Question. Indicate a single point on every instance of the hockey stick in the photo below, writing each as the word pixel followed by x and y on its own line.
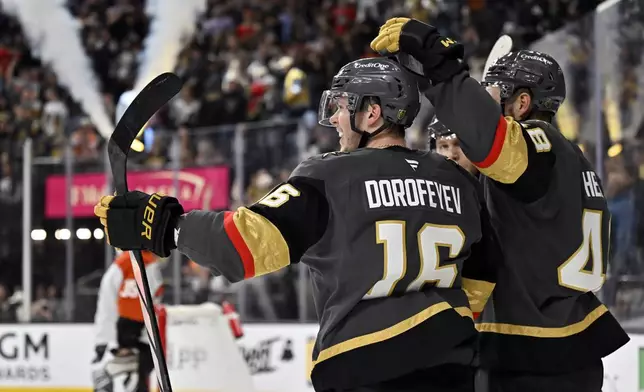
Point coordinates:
pixel 152 98
pixel 501 47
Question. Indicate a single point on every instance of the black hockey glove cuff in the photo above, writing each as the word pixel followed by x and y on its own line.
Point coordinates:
pixel 441 56
pixel 139 220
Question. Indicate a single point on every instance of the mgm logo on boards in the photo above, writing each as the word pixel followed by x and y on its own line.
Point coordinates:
pixel 24 356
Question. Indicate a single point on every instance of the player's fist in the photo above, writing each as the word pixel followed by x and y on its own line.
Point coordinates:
pixel 388 39
pixel 137 221
pixel 441 56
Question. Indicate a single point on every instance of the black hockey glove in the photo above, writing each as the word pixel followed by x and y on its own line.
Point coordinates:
pixel 138 220
pixel 441 56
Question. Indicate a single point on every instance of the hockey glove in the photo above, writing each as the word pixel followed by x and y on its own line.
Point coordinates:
pixel 441 57
pixel 137 221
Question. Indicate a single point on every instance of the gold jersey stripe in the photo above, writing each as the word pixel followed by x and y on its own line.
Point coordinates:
pixel 478 292
pixel 544 332
pixel 388 333
pixel 464 311
pixel 513 158
pixel 263 239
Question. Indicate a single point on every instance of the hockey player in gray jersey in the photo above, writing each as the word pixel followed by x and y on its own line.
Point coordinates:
pixel 397 241
pixel 545 329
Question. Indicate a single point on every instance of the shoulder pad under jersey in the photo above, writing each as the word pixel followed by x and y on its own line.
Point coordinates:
pixel 531 124
pixel 322 166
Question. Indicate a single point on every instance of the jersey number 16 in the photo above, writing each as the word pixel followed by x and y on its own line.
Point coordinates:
pixel 391 234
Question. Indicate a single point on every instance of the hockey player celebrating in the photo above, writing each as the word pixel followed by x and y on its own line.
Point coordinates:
pixel 444 142
pixel 123 361
pixel 546 330
pixel 392 237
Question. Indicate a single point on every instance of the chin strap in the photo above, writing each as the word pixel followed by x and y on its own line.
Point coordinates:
pixel 364 135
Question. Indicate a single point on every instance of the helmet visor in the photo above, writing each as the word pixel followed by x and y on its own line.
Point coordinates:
pixel 333 102
pixel 438 129
pixel 506 88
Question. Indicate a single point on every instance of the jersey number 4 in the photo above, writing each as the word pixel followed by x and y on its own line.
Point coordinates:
pixel 572 273
pixel 391 234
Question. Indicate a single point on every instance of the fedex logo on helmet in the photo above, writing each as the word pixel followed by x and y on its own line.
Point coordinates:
pixel 536 58
pixel 381 66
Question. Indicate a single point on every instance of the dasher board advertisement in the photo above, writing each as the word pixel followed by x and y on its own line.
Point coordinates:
pixel 56 357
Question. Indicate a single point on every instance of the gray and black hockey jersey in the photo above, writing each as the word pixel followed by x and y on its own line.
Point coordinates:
pixel 399 248
pixel 548 208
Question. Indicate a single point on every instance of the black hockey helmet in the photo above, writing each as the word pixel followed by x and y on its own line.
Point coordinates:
pixel 381 78
pixel 437 129
pixel 536 71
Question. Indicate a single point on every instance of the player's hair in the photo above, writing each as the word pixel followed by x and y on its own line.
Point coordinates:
pixel 394 129
pixel 535 114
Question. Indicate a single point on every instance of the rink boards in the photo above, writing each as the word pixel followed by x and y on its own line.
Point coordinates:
pixel 56 357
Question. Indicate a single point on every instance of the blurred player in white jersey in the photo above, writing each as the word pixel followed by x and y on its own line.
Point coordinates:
pixel 122 361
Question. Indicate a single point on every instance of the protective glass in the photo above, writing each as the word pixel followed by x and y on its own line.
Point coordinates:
pixel 334 101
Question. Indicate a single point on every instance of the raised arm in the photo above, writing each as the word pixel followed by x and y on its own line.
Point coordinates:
pixel 498 145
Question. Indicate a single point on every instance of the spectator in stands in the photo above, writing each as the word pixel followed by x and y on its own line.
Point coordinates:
pixel 157 158
pixel 7 308
pixel 54 303
pixel 86 142
pixel 261 182
pixel 198 279
pixel 181 148
pixel 6 132
pixel 39 308
pixel 185 107
pixel 54 113
pixel 638 159
pixel 235 103
pixel 47 306
pixel 6 179
pixel 10 187
pixel 207 154
pixel 620 194
pixel 297 95
pixel 53 121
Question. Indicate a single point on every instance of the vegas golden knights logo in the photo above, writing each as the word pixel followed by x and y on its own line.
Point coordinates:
pixel 148 216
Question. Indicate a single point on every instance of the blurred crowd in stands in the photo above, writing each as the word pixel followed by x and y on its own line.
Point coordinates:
pixel 259 67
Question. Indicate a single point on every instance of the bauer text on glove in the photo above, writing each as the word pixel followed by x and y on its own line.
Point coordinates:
pixel 138 220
